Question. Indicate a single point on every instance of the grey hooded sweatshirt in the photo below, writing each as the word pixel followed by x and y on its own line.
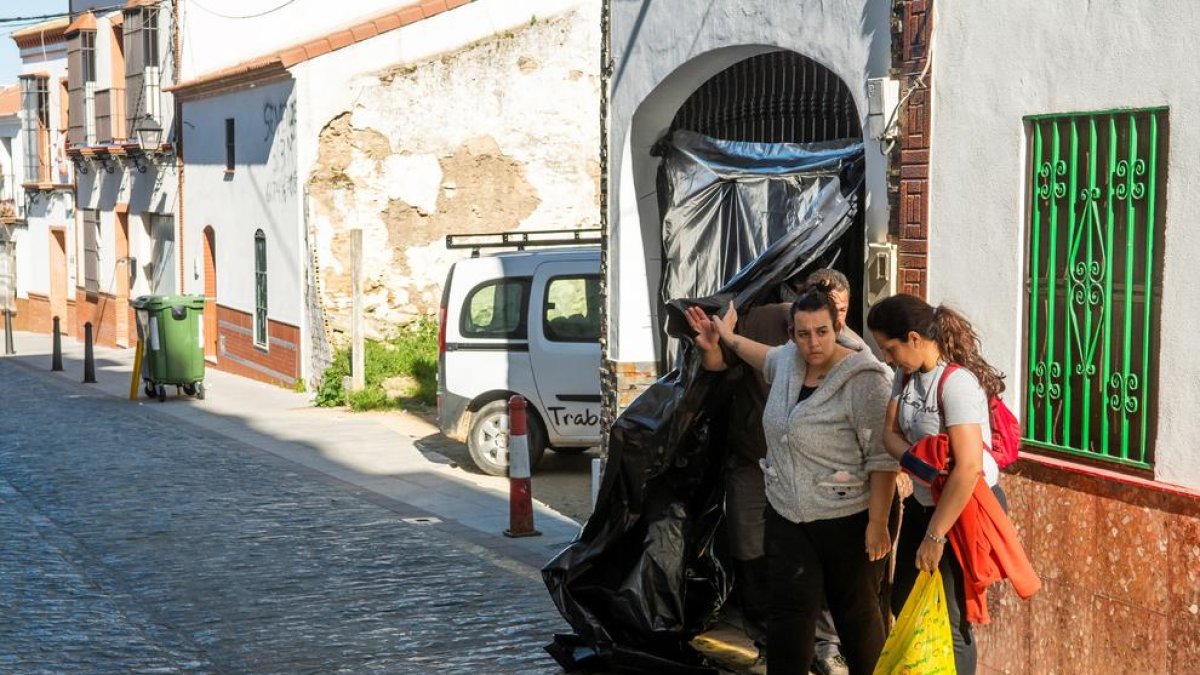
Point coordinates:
pixel 821 451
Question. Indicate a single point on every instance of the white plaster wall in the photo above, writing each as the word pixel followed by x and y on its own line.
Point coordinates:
pixel 261 193
pixel 220 33
pixel 155 191
pixel 546 120
pixel 1078 55
pixel 663 50
pixel 51 208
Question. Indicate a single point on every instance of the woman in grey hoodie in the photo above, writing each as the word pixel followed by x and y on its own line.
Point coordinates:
pixel 829 480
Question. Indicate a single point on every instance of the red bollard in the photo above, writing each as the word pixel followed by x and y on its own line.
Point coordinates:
pixel 520 489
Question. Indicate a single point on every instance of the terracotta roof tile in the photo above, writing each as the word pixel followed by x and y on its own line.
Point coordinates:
pixel 406 14
pixel 85 21
pixel 364 31
pixel 10 100
pixel 389 22
pixel 410 15
pixel 48 29
pixel 293 56
pixel 340 39
pixel 317 48
pixel 431 7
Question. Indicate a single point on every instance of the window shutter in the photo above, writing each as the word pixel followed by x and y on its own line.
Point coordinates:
pixel 76 128
pixel 91 251
pixel 135 65
pixel 29 123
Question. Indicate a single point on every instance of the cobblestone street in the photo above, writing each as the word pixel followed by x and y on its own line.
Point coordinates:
pixel 137 542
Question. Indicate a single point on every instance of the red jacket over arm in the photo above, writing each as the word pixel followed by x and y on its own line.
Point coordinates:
pixel 983 538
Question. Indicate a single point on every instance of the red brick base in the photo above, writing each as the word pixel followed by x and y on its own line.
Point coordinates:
pixel 34 315
pixel 278 364
pixel 101 310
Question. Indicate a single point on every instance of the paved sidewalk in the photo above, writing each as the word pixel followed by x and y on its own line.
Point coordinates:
pixel 138 542
pixel 370 453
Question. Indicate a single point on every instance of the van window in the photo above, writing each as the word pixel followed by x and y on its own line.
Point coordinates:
pixel 573 309
pixel 496 309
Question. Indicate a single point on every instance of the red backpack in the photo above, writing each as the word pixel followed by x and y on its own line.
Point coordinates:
pixel 1006 430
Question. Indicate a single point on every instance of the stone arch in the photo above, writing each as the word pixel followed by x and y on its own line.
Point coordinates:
pixel 674 103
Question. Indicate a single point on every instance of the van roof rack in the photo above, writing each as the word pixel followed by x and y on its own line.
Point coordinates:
pixel 524 239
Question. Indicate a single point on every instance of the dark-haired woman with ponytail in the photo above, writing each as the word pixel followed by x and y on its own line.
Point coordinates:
pixel 921 341
pixel 829 480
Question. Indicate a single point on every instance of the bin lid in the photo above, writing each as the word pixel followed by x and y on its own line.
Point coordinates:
pixel 155 302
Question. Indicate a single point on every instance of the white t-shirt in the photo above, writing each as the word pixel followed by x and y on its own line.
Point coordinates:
pixel 965 403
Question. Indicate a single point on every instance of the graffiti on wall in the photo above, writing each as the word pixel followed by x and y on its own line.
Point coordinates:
pixel 279 127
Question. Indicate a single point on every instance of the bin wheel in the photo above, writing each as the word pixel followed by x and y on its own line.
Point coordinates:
pixel 162 393
pixel 149 389
pixel 189 389
pixel 200 390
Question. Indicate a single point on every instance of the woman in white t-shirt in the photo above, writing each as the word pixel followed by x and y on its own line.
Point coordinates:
pixel 920 341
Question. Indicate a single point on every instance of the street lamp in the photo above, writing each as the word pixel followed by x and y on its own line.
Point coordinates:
pixel 149 133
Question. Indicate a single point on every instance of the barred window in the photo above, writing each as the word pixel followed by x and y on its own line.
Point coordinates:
pixel 260 289
pixel 1097 198
pixel 87 47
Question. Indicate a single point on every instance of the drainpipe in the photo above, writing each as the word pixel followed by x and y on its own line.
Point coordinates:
pixel 608 377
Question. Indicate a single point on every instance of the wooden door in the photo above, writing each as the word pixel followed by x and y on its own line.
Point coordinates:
pixel 121 285
pixel 58 278
pixel 210 292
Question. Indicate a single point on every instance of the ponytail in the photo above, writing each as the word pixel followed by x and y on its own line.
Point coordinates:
pixel 959 343
pixel 956 339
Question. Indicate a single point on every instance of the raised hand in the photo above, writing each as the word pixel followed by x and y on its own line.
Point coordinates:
pixel 708 335
pixel 726 324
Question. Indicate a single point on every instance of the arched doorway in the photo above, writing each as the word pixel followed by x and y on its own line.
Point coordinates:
pixel 210 293
pixel 776 97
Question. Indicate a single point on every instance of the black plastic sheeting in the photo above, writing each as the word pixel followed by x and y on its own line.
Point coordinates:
pixel 647 573
pixel 727 201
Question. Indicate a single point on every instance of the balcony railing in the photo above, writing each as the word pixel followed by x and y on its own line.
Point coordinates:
pixel 110 116
pixel 12 199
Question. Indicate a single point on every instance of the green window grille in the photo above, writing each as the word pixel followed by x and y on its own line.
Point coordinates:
pixel 260 289
pixel 1094 282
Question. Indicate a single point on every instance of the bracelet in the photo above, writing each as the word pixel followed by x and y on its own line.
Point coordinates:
pixel 934 538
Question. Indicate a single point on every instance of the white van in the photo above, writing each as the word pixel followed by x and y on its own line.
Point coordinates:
pixel 523 323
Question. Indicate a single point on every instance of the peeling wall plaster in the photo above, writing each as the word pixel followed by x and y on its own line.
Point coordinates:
pixel 501 135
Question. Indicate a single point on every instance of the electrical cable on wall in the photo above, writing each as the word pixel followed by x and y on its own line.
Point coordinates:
pixel 276 8
pixel 887 140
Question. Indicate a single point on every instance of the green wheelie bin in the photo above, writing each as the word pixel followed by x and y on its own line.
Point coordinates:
pixel 170 329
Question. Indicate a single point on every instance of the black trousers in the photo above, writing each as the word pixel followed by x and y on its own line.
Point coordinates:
pixel 745 520
pixel 802 560
pixel 912 533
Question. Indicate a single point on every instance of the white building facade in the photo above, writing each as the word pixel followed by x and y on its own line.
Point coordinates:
pixel 41 176
pixel 1059 220
pixel 413 123
pixel 121 140
pixel 663 54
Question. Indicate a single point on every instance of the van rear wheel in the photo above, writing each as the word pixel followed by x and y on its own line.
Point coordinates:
pixel 488 440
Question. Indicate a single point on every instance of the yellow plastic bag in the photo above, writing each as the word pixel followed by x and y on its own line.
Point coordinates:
pixel 920 642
